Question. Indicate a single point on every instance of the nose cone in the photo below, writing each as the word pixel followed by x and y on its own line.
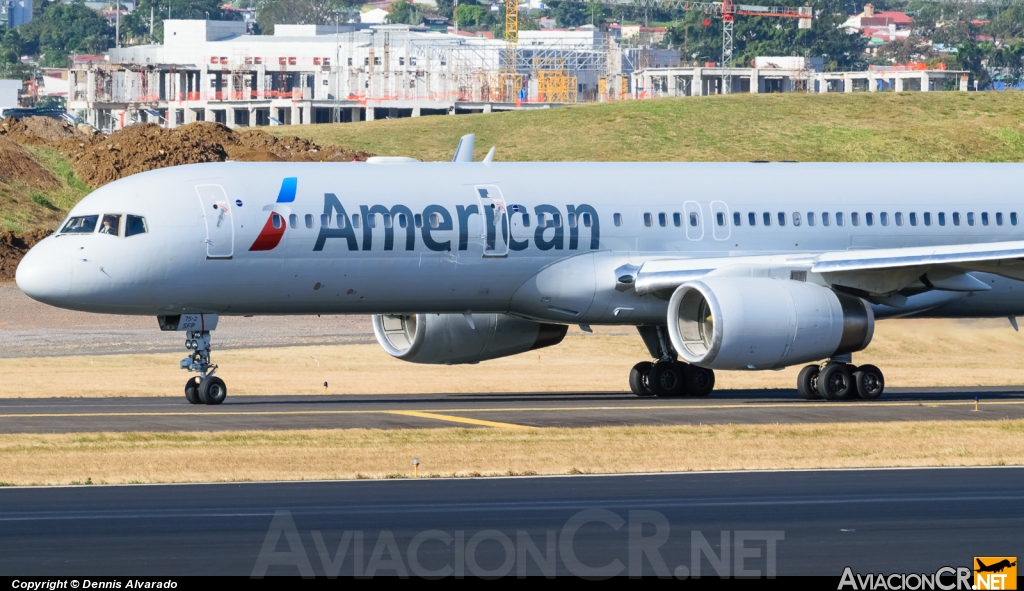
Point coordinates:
pixel 45 273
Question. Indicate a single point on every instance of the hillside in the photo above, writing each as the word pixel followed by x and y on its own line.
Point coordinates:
pixel 937 126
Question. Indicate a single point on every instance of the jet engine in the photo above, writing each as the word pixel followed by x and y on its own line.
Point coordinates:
pixel 761 323
pixel 461 338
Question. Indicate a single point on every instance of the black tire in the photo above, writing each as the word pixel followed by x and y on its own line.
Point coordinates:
pixel 698 381
pixel 807 382
pixel 665 379
pixel 192 391
pixel 638 379
pixel 869 382
pixel 212 390
pixel 835 382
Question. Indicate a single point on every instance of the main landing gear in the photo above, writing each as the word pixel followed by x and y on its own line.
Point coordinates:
pixel 838 379
pixel 205 388
pixel 667 377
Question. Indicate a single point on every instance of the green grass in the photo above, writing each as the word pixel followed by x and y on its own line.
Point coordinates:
pixel 896 127
pixel 24 208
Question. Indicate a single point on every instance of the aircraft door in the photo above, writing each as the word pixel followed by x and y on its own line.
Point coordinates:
pixel 694 220
pixel 220 227
pixel 495 219
pixel 720 223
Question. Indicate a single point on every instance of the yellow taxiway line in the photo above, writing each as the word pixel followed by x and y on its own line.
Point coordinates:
pixel 431 415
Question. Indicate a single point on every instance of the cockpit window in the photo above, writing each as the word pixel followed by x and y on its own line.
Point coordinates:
pixel 111 224
pixel 135 224
pixel 82 224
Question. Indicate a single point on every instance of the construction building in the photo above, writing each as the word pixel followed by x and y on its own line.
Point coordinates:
pixel 214 71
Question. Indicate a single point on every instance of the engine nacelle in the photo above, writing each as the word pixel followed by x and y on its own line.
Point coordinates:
pixel 457 338
pixel 760 323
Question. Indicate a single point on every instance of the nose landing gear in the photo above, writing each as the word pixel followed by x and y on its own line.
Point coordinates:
pixel 205 388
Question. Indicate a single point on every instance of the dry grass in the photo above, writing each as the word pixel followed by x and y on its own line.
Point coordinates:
pixel 871 127
pixel 361 453
pixel 911 352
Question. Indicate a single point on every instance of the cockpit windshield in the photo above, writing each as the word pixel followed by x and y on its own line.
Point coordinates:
pixel 111 224
pixel 135 224
pixel 83 224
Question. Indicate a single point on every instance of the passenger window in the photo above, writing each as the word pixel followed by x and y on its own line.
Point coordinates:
pixel 752 219
pixel 839 218
pixel 526 220
pixel 435 220
pixel 694 220
pixel 970 218
pixel 341 221
pixel 403 220
pixel 556 217
pixel 782 219
pixel 1013 218
pixel 572 220
pixel 736 219
pixel 999 218
pixel 309 220
pixel 662 220
pixel 927 218
pixel 767 218
pixel 883 218
pixel 855 218
pixel 371 220
pixel 542 219
pixel 899 218
pixel 293 220
pixel 617 219
pixel 325 220
pixel 418 220
pixel 387 220
pixel 82 224
pixel 956 218
pixel 355 220
pixel 824 218
pixel 984 218
pixel 796 218
pixel 810 218
pixel 135 224
pixel 648 220
pixel 942 218
pixel 913 219
pixel 111 225
pixel 278 222
pixel 869 219
pixel 677 219
pixel 586 220
pixel 720 218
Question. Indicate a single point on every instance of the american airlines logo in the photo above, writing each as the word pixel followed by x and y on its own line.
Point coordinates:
pixel 513 226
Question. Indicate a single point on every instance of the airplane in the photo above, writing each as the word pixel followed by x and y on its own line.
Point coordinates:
pixel 994 568
pixel 719 266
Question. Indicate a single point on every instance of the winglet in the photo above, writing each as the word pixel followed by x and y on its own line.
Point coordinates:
pixel 464 153
pixel 489 157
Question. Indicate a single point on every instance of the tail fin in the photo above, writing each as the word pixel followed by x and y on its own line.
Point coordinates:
pixel 464 153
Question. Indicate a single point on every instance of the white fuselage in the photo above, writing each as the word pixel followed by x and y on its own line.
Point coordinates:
pixel 211 245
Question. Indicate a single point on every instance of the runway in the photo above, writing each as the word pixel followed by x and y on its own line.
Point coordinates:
pixel 496 410
pixel 813 523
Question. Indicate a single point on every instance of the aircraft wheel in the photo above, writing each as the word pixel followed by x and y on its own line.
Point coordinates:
pixel 869 382
pixel 835 382
pixel 807 382
pixel 638 379
pixel 212 390
pixel 666 379
pixel 192 391
pixel 698 381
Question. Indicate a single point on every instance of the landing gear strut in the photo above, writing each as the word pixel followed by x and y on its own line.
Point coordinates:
pixel 838 379
pixel 667 377
pixel 205 388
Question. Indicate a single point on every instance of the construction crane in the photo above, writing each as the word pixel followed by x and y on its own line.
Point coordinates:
pixel 509 75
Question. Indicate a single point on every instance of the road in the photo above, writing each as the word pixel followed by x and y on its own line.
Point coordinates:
pixel 915 520
pixel 64 415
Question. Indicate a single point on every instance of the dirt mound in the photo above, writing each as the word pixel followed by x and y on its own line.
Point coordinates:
pixel 41 130
pixel 147 146
pixel 12 248
pixel 142 147
pixel 17 165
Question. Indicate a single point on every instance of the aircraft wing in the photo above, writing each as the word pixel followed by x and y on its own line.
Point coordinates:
pixel 876 271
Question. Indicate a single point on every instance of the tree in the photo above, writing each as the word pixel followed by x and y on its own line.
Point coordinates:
pixel 472 16
pixel 446 8
pixel 300 12
pixel 569 14
pixel 404 13
pixel 66 28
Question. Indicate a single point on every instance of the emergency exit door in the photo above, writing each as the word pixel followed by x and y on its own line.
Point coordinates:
pixel 220 227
